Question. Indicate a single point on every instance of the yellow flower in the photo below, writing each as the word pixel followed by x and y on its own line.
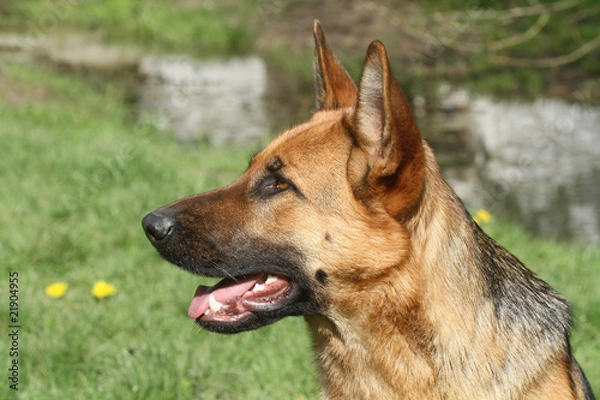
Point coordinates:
pixel 482 217
pixel 102 289
pixel 56 290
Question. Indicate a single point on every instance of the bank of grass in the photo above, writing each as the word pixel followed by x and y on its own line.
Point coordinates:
pixel 76 180
pixel 204 28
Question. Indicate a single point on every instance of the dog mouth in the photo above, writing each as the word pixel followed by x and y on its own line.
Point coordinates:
pixel 236 299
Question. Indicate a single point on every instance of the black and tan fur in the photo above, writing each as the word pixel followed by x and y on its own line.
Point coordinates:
pixel 404 295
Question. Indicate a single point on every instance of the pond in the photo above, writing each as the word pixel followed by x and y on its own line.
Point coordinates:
pixel 217 101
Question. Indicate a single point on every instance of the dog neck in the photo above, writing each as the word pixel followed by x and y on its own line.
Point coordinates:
pixel 383 348
pixel 413 336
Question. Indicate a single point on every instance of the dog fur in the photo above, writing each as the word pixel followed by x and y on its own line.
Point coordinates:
pixel 404 295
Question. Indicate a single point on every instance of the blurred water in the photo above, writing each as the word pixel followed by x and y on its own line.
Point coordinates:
pixel 537 162
pixel 221 101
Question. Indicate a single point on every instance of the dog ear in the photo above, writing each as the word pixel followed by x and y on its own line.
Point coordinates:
pixel 385 131
pixel 333 85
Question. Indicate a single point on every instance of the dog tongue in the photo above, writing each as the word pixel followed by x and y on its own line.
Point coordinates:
pixel 223 293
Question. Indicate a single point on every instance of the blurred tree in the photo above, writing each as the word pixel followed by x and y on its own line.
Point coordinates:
pixel 530 33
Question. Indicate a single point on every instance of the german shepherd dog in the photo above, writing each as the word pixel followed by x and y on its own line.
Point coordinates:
pixel 346 220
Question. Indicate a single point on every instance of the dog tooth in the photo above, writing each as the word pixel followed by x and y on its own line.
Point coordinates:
pixel 270 279
pixel 214 304
pixel 258 286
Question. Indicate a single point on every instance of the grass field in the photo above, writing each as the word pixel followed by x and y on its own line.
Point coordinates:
pixel 199 27
pixel 76 181
pixel 77 177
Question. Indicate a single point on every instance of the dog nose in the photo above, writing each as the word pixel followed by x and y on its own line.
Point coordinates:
pixel 158 226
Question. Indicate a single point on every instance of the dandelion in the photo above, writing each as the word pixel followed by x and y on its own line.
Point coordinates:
pixel 102 289
pixel 56 290
pixel 482 217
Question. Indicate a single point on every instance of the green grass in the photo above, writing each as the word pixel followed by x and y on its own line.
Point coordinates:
pixel 198 27
pixel 76 180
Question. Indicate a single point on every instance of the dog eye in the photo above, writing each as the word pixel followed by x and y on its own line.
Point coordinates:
pixel 274 185
pixel 281 186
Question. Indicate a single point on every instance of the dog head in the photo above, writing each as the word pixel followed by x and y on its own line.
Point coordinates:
pixel 319 214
